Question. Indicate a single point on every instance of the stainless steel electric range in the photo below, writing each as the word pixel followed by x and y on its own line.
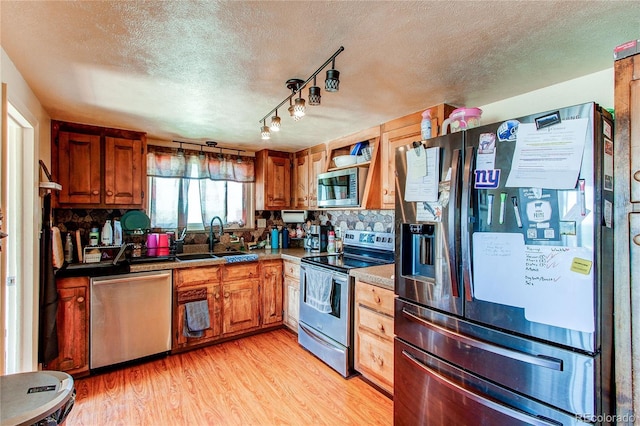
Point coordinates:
pixel 325 326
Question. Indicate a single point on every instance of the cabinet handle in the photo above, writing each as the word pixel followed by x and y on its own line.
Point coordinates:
pixel 381 327
pixel 636 239
pixel 377 299
pixel 636 176
pixel 226 295
pixel 217 296
pixel 109 193
pixel 385 191
pixel 95 192
pixel 80 299
pixel 291 270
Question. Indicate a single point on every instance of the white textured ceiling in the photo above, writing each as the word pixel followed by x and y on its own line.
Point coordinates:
pixel 210 70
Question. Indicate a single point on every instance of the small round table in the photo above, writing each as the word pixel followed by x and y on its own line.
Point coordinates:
pixel 39 397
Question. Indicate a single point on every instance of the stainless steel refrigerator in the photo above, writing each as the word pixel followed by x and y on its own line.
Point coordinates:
pixel 504 278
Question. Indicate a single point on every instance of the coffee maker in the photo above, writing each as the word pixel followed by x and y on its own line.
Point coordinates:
pixel 317 238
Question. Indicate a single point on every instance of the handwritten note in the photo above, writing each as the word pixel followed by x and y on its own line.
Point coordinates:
pixel 544 280
pixel 556 294
pixel 498 264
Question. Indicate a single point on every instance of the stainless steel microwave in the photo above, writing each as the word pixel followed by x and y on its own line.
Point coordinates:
pixel 342 188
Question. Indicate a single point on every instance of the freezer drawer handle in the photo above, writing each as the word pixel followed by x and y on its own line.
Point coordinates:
pixel 475 397
pixel 546 362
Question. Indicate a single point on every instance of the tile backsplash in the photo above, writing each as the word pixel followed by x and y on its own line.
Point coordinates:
pixel 368 220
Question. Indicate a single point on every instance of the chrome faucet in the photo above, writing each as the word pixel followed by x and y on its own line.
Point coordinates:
pixel 211 239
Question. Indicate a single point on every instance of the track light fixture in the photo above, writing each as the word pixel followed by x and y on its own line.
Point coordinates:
pixel 265 131
pixel 298 110
pixel 275 123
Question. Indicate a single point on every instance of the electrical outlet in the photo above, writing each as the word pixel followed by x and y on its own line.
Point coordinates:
pixel 262 223
pixel 11 281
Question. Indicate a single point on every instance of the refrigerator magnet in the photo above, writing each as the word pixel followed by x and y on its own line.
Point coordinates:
pixel 487 179
pixel 567 228
pixel 508 131
pixel 548 120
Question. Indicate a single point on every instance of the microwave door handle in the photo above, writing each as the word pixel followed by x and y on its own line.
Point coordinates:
pixel 451 228
pixel 464 224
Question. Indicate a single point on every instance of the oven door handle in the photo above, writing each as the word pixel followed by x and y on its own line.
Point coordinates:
pixel 318 340
pixel 476 397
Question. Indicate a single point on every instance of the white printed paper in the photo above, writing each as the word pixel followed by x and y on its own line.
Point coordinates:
pixel 549 157
pixel 423 174
pixel 428 212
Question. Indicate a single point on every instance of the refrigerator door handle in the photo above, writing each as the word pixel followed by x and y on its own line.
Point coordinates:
pixel 451 231
pixel 464 224
pixel 514 414
pixel 546 362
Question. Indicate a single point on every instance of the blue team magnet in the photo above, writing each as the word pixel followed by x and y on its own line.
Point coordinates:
pixel 487 179
pixel 508 130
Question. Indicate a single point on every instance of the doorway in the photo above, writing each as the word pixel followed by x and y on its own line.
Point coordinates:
pixel 19 248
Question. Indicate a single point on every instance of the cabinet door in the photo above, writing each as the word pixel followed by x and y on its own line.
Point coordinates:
pixel 301 179
pixel 272 293
pixel 124 171
pixel 72 322
pixel 278 182
pixel 240 311
pixel 78 168
pixel 212 293
pixel 292 300
pixel 390 141
pixel 317 163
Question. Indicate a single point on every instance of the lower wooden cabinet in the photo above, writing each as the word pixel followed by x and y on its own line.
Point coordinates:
pixel 191 285
pixel 291 294
pixel 73 327
pixel 240 306
pixel 374 334
pixel 271 290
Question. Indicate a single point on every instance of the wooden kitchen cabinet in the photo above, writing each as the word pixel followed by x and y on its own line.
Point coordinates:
pixel 271 292
pixel 374 312
pixel 370 197
pixel 73 327
pixel 273 180
pixel 98 167
pixel 190 285
pixel 398 132
pixel 291 294
pixel 308 164
pixel 240 298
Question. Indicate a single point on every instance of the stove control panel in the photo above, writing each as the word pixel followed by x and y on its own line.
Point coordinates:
pixel 370 239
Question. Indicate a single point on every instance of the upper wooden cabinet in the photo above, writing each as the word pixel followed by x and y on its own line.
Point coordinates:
pixel 98 167
pixel 273 180
pixel 399 132
pixel 308 164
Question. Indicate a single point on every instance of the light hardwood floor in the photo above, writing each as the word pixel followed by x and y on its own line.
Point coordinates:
pixel 266 379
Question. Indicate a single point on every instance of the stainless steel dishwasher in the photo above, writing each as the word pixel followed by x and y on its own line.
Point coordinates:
pixel 130 317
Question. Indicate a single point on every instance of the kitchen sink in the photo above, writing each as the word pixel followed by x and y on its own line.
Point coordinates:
pixel 195 256
pixel 229 253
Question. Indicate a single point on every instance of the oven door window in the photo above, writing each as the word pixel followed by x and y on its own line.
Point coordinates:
pixel 336 290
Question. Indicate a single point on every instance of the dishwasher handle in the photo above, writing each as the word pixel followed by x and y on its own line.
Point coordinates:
pixel 127 278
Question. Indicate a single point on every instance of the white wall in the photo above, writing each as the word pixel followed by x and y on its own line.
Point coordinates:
pixel 20 96
pixel 596 87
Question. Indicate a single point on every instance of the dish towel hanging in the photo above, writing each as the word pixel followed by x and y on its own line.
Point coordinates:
pixel 319 285
pixel 196 318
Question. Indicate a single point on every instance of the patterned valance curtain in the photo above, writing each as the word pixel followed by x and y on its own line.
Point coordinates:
pixel 192 166
pixel 168 162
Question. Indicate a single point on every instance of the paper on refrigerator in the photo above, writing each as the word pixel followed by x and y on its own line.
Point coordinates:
pixel 423 174
pixel 550 157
